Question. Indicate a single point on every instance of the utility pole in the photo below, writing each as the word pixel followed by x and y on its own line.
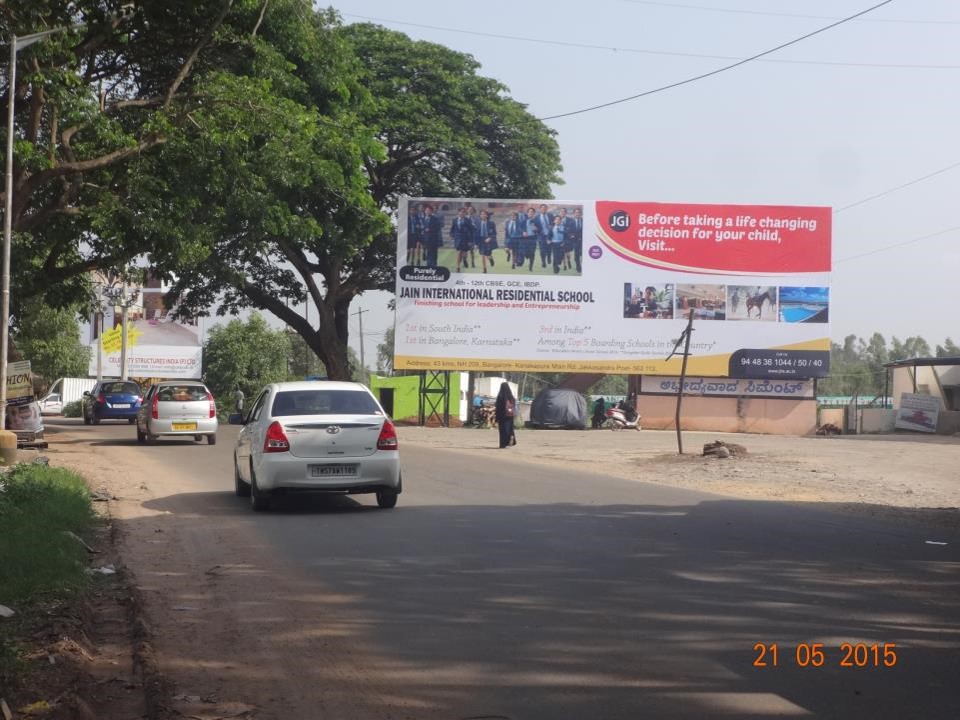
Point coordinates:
pixel 359 314
pixel 123 328
pixel 685 339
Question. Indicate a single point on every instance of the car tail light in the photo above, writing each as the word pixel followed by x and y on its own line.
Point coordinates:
pixel 276 439
pixel 213 405
pixel 101 399
pixel 155 407
pixel 388 436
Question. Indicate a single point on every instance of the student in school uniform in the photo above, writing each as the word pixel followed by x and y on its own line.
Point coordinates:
pixel 513 239
pixel 431 235
pixel 566 223
pixel 544 220
pixel 531 237
pixel 414 237
pixel 556 243
pixel 462 234
pixel 472 217
pixel 575 233
pixel 486 238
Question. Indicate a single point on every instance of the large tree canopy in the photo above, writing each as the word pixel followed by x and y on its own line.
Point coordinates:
pixel 94 104
pixel 252 149
pixel 294 209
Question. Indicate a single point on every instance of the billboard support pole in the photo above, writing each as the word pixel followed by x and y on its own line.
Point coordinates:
pixel 685 339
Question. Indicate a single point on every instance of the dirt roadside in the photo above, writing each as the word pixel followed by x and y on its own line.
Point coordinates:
pixel 907 477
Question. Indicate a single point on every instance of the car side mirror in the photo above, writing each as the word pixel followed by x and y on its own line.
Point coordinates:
pixel 235 419
pixel 86 393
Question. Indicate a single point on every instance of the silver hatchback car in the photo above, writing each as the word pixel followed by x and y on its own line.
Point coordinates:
pixel 318 436
pixel 181 408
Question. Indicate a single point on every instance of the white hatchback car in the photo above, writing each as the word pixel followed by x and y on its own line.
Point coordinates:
pixel 316 435
pixel 177 408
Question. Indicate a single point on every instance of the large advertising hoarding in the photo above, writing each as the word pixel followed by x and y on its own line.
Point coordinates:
pixel 607 286
pixel 158 345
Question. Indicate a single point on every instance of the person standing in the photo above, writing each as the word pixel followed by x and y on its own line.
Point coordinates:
pixel 599 413
pixel 531 237
pixel 414 237
pixel 576 237
pixel 504 412
pixel 544 220
pixel 461 231
pixel 472 217
pixel 556 242
pixel 431 236
pixel 513 238
pixel 486 238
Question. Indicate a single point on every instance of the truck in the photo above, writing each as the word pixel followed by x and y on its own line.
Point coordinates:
pixel 63 392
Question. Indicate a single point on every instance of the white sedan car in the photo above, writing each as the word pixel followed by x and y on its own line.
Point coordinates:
pixel 316 435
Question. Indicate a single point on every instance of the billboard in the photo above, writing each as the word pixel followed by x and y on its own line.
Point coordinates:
pixel 607 286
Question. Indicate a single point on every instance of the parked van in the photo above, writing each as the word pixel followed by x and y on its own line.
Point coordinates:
pixel 63 392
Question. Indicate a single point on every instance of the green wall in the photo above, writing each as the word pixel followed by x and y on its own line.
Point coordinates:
pixel 406 394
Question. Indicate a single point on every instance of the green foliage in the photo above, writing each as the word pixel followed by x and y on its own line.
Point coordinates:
pixel 37 558
pixel 609 385
pixel 244 356
pixel 303 361
pixel 948 349
pixel 856 366
pixel 385 352
pixel 50 339
pixel 73 409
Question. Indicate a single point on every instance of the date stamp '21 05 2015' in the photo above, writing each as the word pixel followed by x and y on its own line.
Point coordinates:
pixel 848 655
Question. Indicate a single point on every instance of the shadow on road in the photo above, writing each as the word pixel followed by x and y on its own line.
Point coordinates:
pixel 586 611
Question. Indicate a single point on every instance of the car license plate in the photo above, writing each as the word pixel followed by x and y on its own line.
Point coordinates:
pixel 121 405
pixel 333 470
pixel 183 426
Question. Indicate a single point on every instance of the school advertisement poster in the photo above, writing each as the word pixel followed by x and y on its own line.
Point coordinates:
pixel 608 286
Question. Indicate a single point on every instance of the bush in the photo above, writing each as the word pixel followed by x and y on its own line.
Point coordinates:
pixel 38 504
pixel 73 409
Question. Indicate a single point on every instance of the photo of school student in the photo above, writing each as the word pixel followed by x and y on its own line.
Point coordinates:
pixel 502 237
pixel 752 302
pixel 653 302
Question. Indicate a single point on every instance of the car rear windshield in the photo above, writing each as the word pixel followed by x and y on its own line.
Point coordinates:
pixel 324 402
pixel 120 388
pixel 182 393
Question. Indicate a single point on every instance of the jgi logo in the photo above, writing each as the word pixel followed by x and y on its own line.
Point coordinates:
pixel 619 221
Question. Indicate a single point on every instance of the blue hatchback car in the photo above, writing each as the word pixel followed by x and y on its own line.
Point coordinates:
pixel 112 400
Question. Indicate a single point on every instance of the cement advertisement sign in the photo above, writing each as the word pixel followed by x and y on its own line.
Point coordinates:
pixel 728 387
pixel 607 286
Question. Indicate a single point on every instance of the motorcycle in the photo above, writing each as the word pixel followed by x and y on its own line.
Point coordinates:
pixel 617 420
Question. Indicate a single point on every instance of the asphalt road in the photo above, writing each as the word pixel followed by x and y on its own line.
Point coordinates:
pixel 514 590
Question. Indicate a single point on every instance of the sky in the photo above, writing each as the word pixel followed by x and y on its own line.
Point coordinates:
pixel 833 120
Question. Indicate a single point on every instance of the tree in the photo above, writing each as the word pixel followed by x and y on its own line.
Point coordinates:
pixel 385 352
pixel 92 108
pixel 948 349
pixel 244 356
pixel 379 116
pixel 50 339
pixel 303 362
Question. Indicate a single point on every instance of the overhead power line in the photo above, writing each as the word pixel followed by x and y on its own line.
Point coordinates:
pixel 641 51
pixel 717 71
pixel 897 245
pixel 678 6
pixel 898 187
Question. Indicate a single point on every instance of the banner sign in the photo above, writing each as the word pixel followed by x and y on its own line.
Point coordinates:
pixel 607 286
pixel 170 362
pixel 19 383
pixel 918 412
pixel 728 387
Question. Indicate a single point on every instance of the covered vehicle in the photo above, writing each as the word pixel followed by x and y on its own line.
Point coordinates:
pixel 327 436
pixel 558 408
pixel 112 400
